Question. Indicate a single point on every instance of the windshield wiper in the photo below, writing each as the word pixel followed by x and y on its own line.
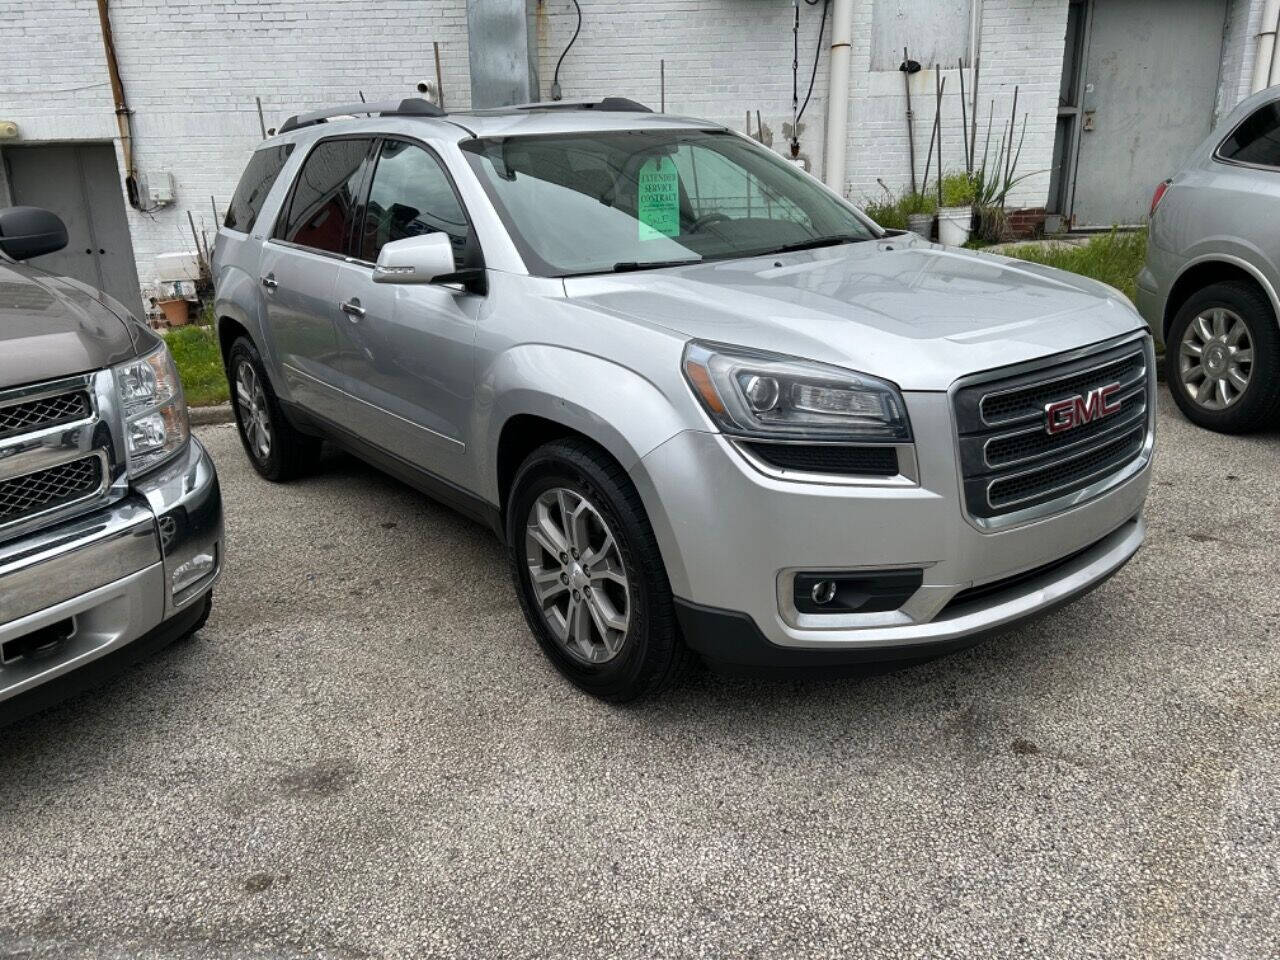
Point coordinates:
pixel 626 266
pixel 814 242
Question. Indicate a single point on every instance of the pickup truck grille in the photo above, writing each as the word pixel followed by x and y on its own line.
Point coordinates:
pixel 43 490
pixel 38 414
pixel 1010 461
pixel 57 452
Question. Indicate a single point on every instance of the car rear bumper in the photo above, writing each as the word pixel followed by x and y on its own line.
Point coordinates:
pixel 75 596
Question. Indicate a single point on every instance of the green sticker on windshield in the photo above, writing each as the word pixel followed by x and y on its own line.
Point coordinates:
pixel 658 202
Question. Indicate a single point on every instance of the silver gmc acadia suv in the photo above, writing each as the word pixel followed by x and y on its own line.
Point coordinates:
pixel 708 405
pixel 110 513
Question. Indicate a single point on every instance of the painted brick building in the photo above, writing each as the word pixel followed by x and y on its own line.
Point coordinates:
pixel 192 70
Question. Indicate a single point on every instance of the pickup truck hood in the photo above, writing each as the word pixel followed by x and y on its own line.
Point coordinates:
pixel 54 327
pixel 918 314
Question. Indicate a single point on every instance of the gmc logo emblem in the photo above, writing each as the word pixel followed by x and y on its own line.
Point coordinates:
pixel 1064 415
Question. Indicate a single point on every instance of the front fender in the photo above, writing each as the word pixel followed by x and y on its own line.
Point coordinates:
pixel 627 414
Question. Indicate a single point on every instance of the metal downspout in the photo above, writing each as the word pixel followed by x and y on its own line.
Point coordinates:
pixel 838 95
pixel 1266 65
pixel 123 113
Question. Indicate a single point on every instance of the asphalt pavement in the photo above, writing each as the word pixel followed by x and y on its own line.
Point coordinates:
pixel 363 754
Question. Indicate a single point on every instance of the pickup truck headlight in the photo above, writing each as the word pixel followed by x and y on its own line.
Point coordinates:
pixel 153 409
pixel 755 394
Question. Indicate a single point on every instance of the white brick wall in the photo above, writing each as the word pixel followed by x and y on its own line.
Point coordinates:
pixel 727 56
pixel 1239 52
pixel 192 69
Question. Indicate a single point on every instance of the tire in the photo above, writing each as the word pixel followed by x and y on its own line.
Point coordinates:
pixel 1214 326
pixel 648 654
pixel 287 453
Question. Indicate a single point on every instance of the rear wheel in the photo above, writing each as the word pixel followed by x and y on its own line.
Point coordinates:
pixel 589 574
pixel 277 450
pixel 1222 359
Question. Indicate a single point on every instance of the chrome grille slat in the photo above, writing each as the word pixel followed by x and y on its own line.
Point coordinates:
pixel 40 413
pixel 1010 463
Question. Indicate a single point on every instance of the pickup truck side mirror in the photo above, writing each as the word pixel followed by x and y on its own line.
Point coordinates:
pixel 425 259
pixel 27 232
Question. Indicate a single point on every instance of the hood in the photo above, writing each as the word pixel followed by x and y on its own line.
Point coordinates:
pixel 54 327
pixel 918 314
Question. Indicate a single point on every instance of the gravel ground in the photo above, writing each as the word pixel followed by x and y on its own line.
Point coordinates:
pixel 364 755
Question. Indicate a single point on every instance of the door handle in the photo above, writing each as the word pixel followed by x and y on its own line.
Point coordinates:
pixel 269 281
pixel 352 309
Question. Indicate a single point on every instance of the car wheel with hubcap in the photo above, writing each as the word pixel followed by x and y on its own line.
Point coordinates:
pixel 1222 358
pixel 276 450
pixel 589 574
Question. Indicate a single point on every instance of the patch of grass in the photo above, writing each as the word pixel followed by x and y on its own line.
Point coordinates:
pixel 1113 258
pixel 195 350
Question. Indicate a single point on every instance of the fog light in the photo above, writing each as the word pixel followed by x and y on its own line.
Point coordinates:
pixel 193 571
pixel 830 592
pixel 823 592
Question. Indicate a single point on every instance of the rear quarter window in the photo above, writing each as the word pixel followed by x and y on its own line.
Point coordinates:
pixel 255 183
pixel 1257 139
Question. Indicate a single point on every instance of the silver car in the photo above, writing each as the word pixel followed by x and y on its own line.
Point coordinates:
pixel 1213 269
pixel 709 406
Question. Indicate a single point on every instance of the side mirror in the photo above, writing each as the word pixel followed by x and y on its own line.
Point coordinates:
pixel 425 259
pixel 27 232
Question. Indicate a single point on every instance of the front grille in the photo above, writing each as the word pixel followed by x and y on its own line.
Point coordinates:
pixel 870 461
pixel 31 415
pixel 1009 460
pixel 34 493
pixel 1001 406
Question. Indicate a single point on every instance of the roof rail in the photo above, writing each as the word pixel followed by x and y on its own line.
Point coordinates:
pixel 610 104
pixel 409 107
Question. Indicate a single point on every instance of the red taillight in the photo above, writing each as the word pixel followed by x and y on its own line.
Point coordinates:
pixel 1158 196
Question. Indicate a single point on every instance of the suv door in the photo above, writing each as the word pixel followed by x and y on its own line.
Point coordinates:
pixel 407 350
pixel 299 271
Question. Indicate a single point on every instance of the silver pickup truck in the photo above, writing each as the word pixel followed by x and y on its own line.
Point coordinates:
pixel 110 512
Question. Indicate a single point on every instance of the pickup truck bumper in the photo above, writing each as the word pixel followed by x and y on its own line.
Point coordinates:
pixel 89 595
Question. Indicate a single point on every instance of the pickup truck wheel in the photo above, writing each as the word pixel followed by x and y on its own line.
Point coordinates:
pixel 1222 359
pixel 275 448
pixel 589 574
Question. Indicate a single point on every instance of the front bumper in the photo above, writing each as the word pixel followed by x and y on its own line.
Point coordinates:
pixel 109 580
pixel 732 537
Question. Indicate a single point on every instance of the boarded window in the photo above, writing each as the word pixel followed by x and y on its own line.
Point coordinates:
pixel 934 31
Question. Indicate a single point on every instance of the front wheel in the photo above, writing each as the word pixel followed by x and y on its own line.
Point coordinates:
pixel 589 574
pixel 1222 359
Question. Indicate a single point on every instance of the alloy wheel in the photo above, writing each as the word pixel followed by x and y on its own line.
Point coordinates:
pixel 1215 358
pixel 578 578
pixel 255 421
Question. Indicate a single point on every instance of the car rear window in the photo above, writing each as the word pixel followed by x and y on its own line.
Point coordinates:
pixel 256 182
pixel 1257 139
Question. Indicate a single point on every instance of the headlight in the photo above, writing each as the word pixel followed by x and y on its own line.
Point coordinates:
pixel 756 394
pixel 153 409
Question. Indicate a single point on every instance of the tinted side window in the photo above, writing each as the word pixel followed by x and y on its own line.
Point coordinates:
pixel 255 183
pixel 1257 140
pixel 325 196
pixel 410 196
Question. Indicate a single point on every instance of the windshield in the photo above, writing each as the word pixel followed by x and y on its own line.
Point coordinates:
pixel 627 200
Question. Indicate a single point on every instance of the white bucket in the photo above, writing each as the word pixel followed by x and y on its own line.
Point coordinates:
pixel 954 225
